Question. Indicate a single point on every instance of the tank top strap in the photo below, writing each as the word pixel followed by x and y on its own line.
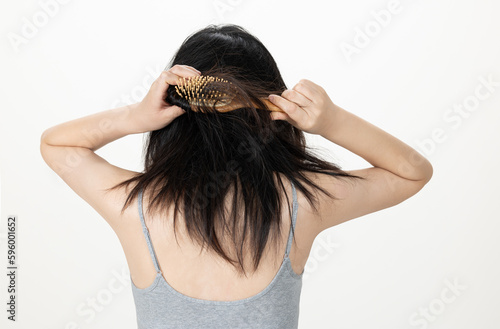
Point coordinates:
pixel 146 234
pixel 294 218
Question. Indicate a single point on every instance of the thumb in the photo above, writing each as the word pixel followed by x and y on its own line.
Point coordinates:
pixel 279 116
pixel 173 112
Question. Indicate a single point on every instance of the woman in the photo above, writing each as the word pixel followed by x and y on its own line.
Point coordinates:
pixel 202 227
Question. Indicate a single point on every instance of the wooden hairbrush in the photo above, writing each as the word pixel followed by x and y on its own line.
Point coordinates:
pixel 214 92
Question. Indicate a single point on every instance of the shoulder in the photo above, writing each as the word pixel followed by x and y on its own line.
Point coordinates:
pixel 91 177
pixel 110 203
pixel 374 190
pixel 324 208
pixel 310 213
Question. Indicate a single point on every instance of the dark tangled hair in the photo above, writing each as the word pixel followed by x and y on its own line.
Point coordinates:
pixel 195 161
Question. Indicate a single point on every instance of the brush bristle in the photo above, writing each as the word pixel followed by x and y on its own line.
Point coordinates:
pixel 205 91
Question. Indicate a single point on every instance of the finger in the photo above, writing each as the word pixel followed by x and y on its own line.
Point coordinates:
pixel 296 97
pixel 176 110
pixel 191 68
pixel 174 75
pixel 279 116
pixel 184 70
pixel 294 112
pixel 308 88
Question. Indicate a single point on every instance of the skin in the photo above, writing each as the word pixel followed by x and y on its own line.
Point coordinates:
pixel 69 148
pixel 398 172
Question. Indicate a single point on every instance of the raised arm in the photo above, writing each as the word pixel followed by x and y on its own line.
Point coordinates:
pixel 398 170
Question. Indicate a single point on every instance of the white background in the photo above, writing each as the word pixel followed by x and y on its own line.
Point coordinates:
pixel 383 270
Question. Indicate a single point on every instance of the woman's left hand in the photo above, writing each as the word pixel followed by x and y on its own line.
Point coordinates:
pixel 153 113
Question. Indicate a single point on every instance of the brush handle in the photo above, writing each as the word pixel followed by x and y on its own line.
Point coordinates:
pixel 271 106
pixel 233 106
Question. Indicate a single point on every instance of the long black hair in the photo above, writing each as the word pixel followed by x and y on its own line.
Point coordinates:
pixel 199 158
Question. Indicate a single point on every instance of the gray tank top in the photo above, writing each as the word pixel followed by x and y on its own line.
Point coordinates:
pixel 160 306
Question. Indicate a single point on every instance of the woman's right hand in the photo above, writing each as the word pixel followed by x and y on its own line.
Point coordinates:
pixel 305 106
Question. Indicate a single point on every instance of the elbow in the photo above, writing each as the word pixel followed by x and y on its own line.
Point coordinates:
pixel 43 137
pixel 43 150
pixel 42 141
pixel 428 171
pixel 431 172
pixel 44 144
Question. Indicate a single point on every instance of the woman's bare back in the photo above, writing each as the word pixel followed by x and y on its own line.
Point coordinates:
pixel 204 275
